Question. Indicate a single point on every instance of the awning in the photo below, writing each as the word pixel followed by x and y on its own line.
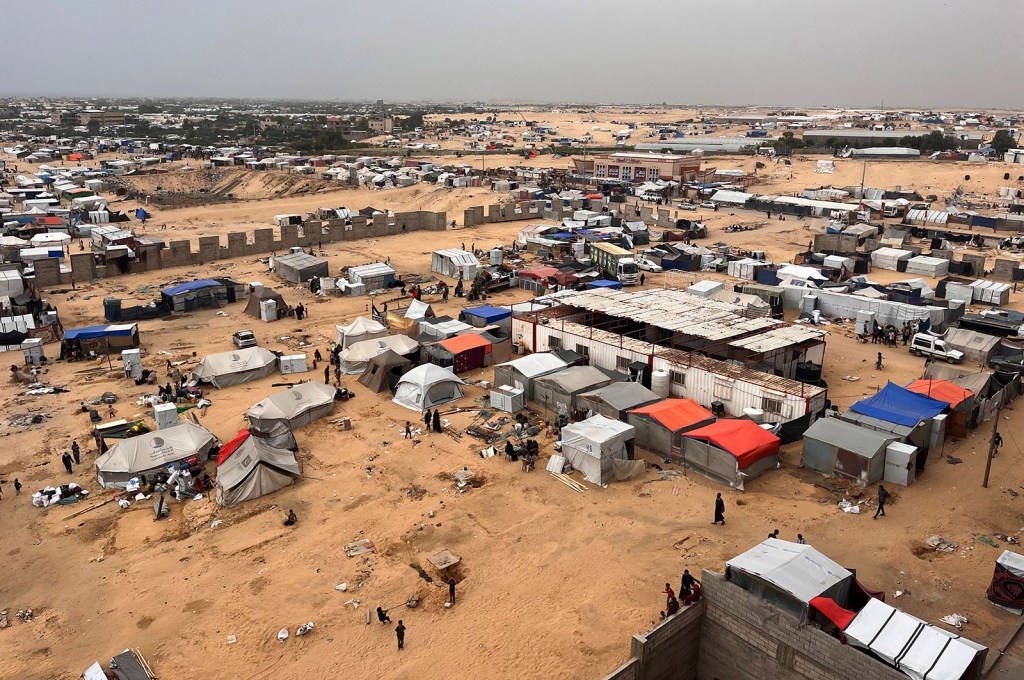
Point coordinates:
pixel 832 611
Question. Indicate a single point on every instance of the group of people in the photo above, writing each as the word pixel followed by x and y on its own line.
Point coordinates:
pixel 689 592
pixel 383 618
pixel 527 455
pixel 334 359
pixel 890 336
pixel 72 457
pixel 432 420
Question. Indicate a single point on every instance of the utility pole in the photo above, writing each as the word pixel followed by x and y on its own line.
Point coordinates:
pixel 991 447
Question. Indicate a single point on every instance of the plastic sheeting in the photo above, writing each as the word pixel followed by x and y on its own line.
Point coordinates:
pixel 895 404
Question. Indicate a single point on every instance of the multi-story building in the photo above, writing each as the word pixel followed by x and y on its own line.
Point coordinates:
pixel 102 117
pixel 642 167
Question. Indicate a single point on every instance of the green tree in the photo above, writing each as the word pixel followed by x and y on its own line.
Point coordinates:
pixel 1003 141
pixel 93 125
pixel 930 143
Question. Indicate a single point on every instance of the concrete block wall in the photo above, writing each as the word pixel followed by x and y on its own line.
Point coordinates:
pixel 977 260
pixel 670 650
pixel 83 266
pixel 835 243
pixel 47 273
pixel 1004 268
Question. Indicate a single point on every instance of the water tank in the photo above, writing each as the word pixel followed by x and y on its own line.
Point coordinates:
pixel 497 254
pixel 808 372
pixel 268 310
pixel 660 382
pixel 718 409
pixel 755 414
pixel 165 415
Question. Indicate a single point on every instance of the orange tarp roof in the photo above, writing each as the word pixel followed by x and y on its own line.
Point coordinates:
pixel 461 343
pixel 675 414
pixel 941 390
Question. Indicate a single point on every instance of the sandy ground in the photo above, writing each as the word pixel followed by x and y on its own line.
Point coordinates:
pixel 553 582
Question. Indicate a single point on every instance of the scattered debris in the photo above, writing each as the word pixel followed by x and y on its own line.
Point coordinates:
pixel 953 461
pixel 232 639
pixel 304 629
pixel 901 593
pixel 25 615
pixel 988 541
pixel 848 507
pixel 361 547
pixel 1012 540
pixel 282 635
pixel 4 622
pixel 341 587
pixel 569 482
pixel 941 544
pixel 955 620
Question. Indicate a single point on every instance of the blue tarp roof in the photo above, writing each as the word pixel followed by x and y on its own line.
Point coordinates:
pixel 488 313
pixel 191 285
pixel 895 404
pixel 604 283
pixel 91 332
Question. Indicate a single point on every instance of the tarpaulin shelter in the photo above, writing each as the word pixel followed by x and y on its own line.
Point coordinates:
pixel 300 267
pixel 249 467
pixel 101 339
pixel 833 612
pixel 375 276
pixel 605 283
pixel 941 390
pixel 523 371
pixel 260 295
pixel 468 352
pixel 427 386
pixel 232 368
pixel 384 371
pixel 455 263
pixel 727 448
pixel 558 391
pixel 294 407
pixel 1007 587
pixel 592 445
pixel 479 317
pixel 789 575
pixel 838 448
pixel 359 330
pixel 50 239
pixel 660 426
pixel 152 452
pixel 200 294
pixel 899 405
pixel 616 400
pixel 977 347
pixel 917 648
pixel 355 359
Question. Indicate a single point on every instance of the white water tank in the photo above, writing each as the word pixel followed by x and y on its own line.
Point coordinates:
pixel 497 255
pixel 268 310
pixel 132 359
pixel 660 382
pixel 165 415
pixel 755 414
pixel 33 348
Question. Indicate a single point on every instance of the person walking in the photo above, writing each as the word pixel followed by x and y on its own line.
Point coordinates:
pixel 400 634
pixel 17 487
pixel 76 452
pixel 327 375
pixel 426 421
pixel 451 592
pixel 437 420
pixel 408 430
pixel 997 443
pixel 66 459
pixel 883 496
pixel 719 510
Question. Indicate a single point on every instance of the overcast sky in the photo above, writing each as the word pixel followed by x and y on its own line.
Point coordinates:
pixel 923 53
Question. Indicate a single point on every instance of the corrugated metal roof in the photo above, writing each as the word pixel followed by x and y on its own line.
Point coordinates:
pixel 778 338
pixel 725 369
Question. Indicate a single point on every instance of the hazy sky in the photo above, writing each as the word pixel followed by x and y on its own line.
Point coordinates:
pixel 801 52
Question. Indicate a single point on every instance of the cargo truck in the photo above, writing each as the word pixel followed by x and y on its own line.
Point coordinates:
pixel 615 263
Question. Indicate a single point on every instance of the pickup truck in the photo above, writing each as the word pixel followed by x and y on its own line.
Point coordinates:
pixel 923 344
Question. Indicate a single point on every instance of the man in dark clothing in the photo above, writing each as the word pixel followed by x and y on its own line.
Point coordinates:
pixel 643 277
pixel 687 582
pixel 382 615
pixel 883 496
pixel 437 420
pixel 400 633
pixel 451 592
pixel 17 487
pixel 774 534
pixel 66 459
pixel 76 452
pixel 997 443
pixel 719 510
pixel 426 420
pixel 327 375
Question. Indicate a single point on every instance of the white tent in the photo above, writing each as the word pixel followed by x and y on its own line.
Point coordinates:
pixel 418 310
pixel 232 368
pixel 889 258
pixel 355 358
pixel 591 445
pixel 427 386
pixel 359 330
pixel 253 468
pixel 917 648
pixel 452 262
pixel 799 272
pixel 151 452
pixel 928 266
pixel 293 407
pixel 50 239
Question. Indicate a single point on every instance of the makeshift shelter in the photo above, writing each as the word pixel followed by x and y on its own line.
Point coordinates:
pixel 890 258
pixel 1007 587
pixel 384 371
pixel 355 359
pixel 455 263
pixel 916 648
pixel 249 467
pixel 374 276
pixel 507 398
pixel 557 391
pixel 480 317
pixel 942 390
pixel 100 339
pixel 427 386
pixel 789 575
pixel 593 446
pixel 660 426
pixel 899 405
pixel 524 371
pixel 731 450
pixel 359 330
pixel 193 295
pixel 977 347
pixel 928 266
pixel 299 267
pixel 152 452
pixel 294 407
pixel 840 449
pixel 266 303
pixel 232 368
pixel 615 400
pixel 605 283
pixel 464 352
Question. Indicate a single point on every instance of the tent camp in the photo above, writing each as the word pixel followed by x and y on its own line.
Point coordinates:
pixel 427 386
pixel 249 467
pixel 299 267
pixel 523 371
pixel 615 401
pixel 917 648
pixel 152 452
pixel 355 359
pixel 453 262
pixel 660 426
pixel 789 575
pixel 359 330
pixel 1007 587
pixel 384 371
pixel 100 339
pixel 259 300
pixel 462 353
pixel 899 405
pixel 558 391
pixel 231 368
pixel 593 445
pixel 294 407
pixel 842 449
pixel 728 448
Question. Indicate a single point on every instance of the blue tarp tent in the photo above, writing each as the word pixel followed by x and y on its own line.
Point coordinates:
pixel 93 332
pixel 604 283
pixel 487 313
pixel 191 285
pixel 895 404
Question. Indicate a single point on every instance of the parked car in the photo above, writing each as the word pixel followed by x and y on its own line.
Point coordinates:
pixel 648 266
pixel 710 205
pixel 923 344
pixel 243 339
pixel 687 206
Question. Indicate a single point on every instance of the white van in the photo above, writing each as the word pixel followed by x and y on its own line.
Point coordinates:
pixel 923 344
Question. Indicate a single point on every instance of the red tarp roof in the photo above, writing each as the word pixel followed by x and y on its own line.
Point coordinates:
pixel 744 439
pixel 461 343
pixel 942 390
pixel 836 614
pixel 229 447
pixel 675 414
pixel 540 273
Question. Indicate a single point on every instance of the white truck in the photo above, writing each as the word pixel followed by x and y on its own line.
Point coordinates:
pixel 923 344
pixel 615 263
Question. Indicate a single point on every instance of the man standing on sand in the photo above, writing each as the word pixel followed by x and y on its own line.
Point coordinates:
pixel 327 375
pixel 66 459
pixel 17 487
pixel 437 420
pixel 451 592
pixel 883 496
pixel 76 452
pixel 719 510
pixel 426 421
pixel 400 633
pixel 408 430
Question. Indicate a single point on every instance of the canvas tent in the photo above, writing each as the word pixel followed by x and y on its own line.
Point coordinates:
pixel 374 276
pixel 359 330
pixel 918 649
pixel 384 371
pixel 522 372
pixel 593 445
pixel 261 294
pixel 729 448
pixel 928 266
pixel 977 347
pixel 427 386
pixel 249 467
pixel 152 452
pixel 1007 587
pixel 558 391
pixel 232 368
pixel 186 297
pixel 660 426
pixel 453 262
pixel 479 317
pixel 300 267
pixel 294 407
pixel 615 401
pixel 789 575
pixel 890 258
pixel 463 352
pixel 355 359
pixel 842 449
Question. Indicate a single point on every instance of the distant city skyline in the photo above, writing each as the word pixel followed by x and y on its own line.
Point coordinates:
pixel 909 54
